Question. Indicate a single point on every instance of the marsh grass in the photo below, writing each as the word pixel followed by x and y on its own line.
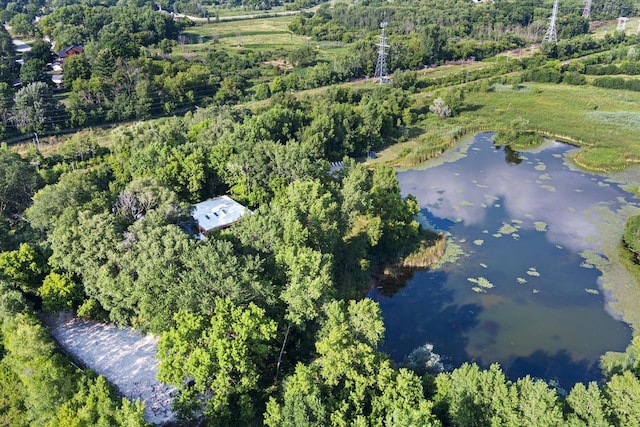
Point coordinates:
pixel 604 120
pixel 427 252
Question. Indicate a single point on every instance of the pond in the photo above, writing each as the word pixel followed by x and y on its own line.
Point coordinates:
pixel 519 290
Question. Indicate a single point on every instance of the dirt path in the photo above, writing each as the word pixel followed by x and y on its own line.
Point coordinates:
pixel 126 358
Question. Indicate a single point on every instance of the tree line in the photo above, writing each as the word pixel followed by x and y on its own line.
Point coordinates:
pixel 264 321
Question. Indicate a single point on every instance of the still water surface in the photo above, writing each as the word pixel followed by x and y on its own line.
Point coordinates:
pixel 520 293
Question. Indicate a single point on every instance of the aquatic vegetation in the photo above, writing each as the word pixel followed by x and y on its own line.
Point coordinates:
pixel 483 205
pixel 482 282
pixel 533 272
pixel 572 210
pixel 478 290
pixel 478 242
pixel 586 265
pixel 452 253
pixel 544 176
pixel 540 167
pixel 592 291
pixel 521 280
pixel 466 203
pixel 549 188
pixel 535 291
pixel 540 226
pixel 508 228
pixel 497 235
pixel 516 221
pixel 515 236
pixel 483 265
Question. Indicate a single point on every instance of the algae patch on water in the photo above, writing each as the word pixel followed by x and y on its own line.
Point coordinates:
pixel 482 282
pixel 452 253
pixel 533 272
pixel 540 226
pixel 508 228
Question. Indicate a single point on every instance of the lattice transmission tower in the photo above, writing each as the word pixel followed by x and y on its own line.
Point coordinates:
pixel 622 23
pixel 381 65
pixel 552 35
pixel 586 12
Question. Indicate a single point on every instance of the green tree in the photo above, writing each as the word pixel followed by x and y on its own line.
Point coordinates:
pixel 33 71
pixel 623 391
pixel 36 109
pixel 309 283
pixel 18 182
pixel 212 270
pixel 76 67
pixel 21 24
pixel 40 49
pixel 224 357
pixel 587 406
pixel 59 292
pixel 96 404
pixel 24 267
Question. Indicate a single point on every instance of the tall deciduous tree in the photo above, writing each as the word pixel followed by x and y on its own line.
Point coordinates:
pixel 18 182
pixel 36 109
pixel 223 357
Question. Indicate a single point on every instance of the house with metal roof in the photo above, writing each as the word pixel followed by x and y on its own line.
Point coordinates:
pixel 217 213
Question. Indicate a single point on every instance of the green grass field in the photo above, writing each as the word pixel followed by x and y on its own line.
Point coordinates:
pixel 258 34
pixel 603 121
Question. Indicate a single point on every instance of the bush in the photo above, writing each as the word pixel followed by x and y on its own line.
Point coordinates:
pixel 59 292
pixel 574 78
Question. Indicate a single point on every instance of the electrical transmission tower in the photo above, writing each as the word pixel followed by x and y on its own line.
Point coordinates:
pixel 552 35
pixel 381 65
pixel 622 23
pixel 586 12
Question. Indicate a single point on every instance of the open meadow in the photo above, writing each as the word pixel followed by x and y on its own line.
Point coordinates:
pixel 604 121
pixel 264 34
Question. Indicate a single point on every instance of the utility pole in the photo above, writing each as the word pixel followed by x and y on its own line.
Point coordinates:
pixel 551 35
pixel 381 65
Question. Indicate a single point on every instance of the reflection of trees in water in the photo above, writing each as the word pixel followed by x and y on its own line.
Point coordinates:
pixel 511 156
pixel 559 367
pixel 392 280
pixel 430 315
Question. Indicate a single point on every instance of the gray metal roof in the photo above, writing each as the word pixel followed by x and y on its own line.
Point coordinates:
pixel 217 213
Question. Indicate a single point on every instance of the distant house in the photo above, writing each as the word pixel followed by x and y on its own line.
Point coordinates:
pixel 70 51
pixel 217 213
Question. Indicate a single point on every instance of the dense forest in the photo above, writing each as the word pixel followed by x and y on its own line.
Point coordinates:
pixel 263 323
pixel 129 69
